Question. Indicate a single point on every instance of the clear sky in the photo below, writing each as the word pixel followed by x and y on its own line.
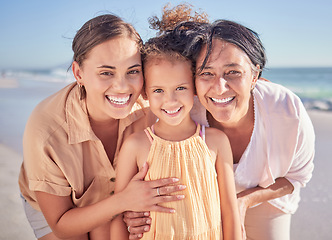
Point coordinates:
pixel 38 33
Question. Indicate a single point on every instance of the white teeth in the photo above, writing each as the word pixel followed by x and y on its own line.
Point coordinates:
pixel 117 100
pixel 172 112
pixel 224 100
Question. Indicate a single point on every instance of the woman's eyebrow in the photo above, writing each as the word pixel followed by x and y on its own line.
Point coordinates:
pixel 107 66
pixel 136 65
pixel 112 67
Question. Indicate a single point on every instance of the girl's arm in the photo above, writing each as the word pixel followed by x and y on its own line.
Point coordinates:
pixel 137 147
pixel 231 225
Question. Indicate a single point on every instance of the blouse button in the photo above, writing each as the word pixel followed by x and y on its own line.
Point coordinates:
pixel 112 179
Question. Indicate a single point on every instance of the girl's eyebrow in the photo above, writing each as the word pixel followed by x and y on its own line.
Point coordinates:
pixel 112 67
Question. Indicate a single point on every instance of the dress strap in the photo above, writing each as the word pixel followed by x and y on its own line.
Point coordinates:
pixel 201 130
pixel 149 133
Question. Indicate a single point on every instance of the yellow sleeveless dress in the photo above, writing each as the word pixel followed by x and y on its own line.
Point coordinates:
pixel 198 216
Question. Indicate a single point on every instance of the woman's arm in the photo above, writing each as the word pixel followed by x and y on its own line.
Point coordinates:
pixel 253 196
pixel 231 226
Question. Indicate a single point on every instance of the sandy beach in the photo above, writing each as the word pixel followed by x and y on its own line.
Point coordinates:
pixel 313 220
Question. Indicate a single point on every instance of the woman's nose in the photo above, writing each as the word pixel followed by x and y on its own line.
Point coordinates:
pixel 120 84
pixel 220 85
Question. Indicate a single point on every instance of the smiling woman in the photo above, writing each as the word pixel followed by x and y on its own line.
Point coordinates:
pixel 270 132
pixel 72 139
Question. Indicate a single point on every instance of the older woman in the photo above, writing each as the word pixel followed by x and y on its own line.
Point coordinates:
pixel 271 135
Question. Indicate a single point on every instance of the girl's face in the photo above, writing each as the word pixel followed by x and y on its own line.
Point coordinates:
pixel 112 77
pixel 170 90
pixel 224 85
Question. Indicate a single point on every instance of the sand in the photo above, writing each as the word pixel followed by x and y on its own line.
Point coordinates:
pixel 313 220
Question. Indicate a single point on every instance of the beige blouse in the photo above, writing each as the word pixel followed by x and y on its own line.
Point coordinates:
pixel 63 156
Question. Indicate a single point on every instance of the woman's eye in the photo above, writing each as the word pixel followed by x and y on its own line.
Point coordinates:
pixel 206 74
pixel 233 72
pixel 133 72
pixel 106 73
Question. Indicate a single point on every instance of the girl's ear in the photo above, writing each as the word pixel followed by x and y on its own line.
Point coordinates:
pixel 77 72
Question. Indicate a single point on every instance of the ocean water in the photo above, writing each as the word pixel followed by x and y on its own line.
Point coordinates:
pixel 312 85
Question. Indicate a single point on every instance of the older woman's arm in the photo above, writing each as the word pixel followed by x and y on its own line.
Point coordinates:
pixel 253 196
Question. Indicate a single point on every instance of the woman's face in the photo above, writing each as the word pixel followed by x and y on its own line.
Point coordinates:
pixel 112 77
pixel 224 85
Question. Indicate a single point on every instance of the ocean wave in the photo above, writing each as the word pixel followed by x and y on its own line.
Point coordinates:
pixel 45 75
pixel 317 104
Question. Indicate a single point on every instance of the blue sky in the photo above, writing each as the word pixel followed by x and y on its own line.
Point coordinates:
pixel 38 33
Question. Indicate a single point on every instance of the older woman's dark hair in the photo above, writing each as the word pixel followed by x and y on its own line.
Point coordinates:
pixel 244 38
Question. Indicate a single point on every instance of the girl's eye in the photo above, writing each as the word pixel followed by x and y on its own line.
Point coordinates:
pixel 181 88
pixel 158 91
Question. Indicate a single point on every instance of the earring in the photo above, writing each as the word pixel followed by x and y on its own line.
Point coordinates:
pixel 252 87
pixel 81 91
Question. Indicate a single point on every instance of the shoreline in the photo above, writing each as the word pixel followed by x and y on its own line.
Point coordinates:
pixel 311 221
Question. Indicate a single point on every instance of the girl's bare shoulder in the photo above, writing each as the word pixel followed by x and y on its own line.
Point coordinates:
pixel 215 138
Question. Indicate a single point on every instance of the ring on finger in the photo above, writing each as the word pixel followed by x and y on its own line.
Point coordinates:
pixel 128 228
pixel 158 191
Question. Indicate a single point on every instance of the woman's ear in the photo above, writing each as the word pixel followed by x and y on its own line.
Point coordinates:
pixel 255 77
pixel 143 93
pixel 77 72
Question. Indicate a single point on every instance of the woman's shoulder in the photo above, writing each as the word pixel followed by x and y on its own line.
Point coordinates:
pixel 275 99
pixel 49 114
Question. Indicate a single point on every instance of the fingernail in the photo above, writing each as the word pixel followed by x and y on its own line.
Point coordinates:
pixel 140 235
pixel 146 229
pixel 146 213
pixel 180 196
pixel 175 179
pixel 172 211
pixel 148 221
pixel 181 187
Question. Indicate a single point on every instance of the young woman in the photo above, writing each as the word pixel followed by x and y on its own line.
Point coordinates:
pixel 72 139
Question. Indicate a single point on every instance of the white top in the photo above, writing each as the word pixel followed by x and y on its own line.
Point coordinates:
pixel 281 145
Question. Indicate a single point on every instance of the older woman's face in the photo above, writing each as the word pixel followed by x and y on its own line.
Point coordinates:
pixel 224 85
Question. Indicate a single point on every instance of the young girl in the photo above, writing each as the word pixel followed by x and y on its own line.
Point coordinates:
pixel 175 146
